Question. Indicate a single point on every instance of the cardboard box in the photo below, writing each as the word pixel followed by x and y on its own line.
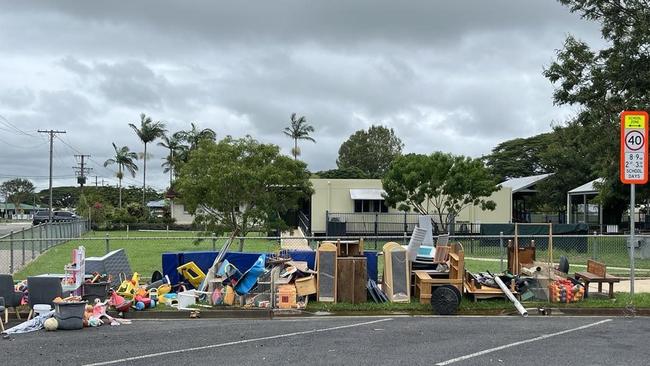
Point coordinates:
pixel 306 285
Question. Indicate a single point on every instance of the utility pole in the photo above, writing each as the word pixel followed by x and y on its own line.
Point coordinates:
pixel 51 133
pixel 96 181
pixel 81 171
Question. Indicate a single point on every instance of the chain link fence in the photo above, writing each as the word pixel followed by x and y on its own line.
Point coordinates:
pixel 19 248
pixel 145 248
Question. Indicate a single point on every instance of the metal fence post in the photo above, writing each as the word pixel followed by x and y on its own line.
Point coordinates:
pixel 406 225
pixel 501 251
pixel 376 228
pixel 22 236
pixel 11 253
pixel 214 242
pixel 327 221
pixel 32 243
pixel 595 247
pixel 108 246
pixel 40 238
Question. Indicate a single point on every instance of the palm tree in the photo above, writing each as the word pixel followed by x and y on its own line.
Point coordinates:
pixel 148 132
pixel 176 150
pixel 298 130
pixel 193 136
pixel 124 158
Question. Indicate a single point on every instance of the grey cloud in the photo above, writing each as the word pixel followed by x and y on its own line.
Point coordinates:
pixel 454 76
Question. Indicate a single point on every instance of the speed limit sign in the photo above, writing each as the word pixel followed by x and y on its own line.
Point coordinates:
pixel 634 147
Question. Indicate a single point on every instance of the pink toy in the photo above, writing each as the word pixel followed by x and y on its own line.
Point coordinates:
pixel 99 311
pixel 119 303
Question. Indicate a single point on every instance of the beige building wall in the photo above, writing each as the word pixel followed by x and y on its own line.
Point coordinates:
pixel 501 215
pixel 333 195
pixel 182 217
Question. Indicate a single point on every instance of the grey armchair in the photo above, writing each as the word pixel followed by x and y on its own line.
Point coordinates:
pixel 43 290
pixel 11 298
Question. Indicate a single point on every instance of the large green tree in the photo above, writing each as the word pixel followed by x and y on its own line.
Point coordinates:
pixel 439 184
pixel 345 173
pixel 371 151
pixel 125 161
pixel 603 82
pixel 241 184
pixel 17 191
pixel 147 132
pixel 519 157
pixel 298 129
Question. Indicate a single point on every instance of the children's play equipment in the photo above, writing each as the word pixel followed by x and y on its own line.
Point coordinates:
pixel 129 288
pixel 74 272
pixel 192 273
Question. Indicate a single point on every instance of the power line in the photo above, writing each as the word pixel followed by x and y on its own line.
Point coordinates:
pixel 6 122
pixel 81 170
pixel 51 133
pixel 96 163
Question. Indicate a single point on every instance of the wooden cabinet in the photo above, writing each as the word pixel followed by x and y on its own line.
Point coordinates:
pixel 352 276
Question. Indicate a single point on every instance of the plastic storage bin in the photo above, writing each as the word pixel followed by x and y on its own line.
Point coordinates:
pixel 70 315
pixel 92 291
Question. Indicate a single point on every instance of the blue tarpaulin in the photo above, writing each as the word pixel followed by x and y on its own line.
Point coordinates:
pixel 243 261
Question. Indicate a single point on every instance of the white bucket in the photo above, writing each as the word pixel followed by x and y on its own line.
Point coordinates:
pixel 186 299
pixel 40 309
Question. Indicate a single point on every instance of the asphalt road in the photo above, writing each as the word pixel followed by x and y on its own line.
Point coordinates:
pixel 7 227
pixel 337 340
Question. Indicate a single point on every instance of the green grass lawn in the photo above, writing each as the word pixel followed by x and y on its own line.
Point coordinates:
pixel 620 301
pixel 144 249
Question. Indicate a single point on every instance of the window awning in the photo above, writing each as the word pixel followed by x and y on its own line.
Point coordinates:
pixel 367 194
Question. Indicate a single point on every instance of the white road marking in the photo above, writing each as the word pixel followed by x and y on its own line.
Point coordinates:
pixel 481 353
pixel 165 353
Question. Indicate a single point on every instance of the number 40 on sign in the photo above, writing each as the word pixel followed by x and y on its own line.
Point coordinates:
pixel 634 147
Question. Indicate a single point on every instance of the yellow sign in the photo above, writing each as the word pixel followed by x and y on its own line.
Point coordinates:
pixel 634 121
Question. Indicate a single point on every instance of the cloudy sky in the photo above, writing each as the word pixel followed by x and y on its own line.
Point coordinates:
pixel 456 76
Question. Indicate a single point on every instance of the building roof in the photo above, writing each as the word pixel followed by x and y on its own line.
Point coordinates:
pixel 523 184
pixel 10 206
pixel 587 188
pixel 367 194
pixel 156 204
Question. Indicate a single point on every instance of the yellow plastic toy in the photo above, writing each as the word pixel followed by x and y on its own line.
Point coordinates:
pixel 192 273
pixel 129 288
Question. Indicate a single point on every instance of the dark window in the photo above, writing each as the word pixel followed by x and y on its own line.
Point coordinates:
pixel 370 206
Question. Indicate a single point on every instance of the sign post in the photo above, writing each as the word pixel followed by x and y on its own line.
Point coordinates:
pixel 633 166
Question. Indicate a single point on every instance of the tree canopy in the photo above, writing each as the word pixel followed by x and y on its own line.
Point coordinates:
pixel 17 191
pixel 605 81
pixel 298 129
pixel 345 173
pixel 519 157
pixel 147 132
pixel 439 184
pixel 370 151
pixel 241 184
pixel 125 161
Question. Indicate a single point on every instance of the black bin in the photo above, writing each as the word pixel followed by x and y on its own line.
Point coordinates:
pixel 70 315
pixel 92 291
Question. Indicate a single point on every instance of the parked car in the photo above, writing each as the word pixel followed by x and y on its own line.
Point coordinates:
pixel 57 216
